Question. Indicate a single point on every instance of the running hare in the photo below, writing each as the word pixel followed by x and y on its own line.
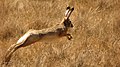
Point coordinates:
pixel 32 36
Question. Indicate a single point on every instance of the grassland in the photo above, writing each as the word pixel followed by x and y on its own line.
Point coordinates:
pixel 96 33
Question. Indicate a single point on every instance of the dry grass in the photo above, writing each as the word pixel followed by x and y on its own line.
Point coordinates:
pixel 96 33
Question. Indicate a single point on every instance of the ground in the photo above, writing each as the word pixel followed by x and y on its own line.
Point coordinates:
pixel 96 33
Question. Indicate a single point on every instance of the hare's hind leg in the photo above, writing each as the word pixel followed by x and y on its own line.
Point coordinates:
pixel 8 54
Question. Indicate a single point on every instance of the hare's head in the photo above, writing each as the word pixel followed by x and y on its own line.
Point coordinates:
pixel 68 23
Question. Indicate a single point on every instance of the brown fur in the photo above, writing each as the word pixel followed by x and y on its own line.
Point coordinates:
pixel 32 36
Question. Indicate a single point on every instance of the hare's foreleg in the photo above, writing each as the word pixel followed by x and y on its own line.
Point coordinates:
pixel 69 36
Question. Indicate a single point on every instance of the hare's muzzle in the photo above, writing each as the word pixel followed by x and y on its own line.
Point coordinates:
pixel 71 25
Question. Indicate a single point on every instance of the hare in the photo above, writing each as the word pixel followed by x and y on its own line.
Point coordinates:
pixel 32 36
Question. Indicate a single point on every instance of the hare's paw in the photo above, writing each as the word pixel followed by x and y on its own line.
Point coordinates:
pixel 69 37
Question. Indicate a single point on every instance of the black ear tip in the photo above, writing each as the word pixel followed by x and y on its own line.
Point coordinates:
pixel 68 7
pixel 72 8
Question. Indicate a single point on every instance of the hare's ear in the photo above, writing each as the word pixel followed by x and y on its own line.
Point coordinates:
pixel 67 11
pixel 68 7
pixel 72 8
pixel 70 11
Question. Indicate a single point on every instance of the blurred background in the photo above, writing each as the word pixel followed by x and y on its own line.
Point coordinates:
pixel 96 33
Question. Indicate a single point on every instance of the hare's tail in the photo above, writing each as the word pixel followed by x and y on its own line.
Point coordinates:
pixel 9 53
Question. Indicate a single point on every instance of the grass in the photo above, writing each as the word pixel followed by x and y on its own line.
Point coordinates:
pixel 96 33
